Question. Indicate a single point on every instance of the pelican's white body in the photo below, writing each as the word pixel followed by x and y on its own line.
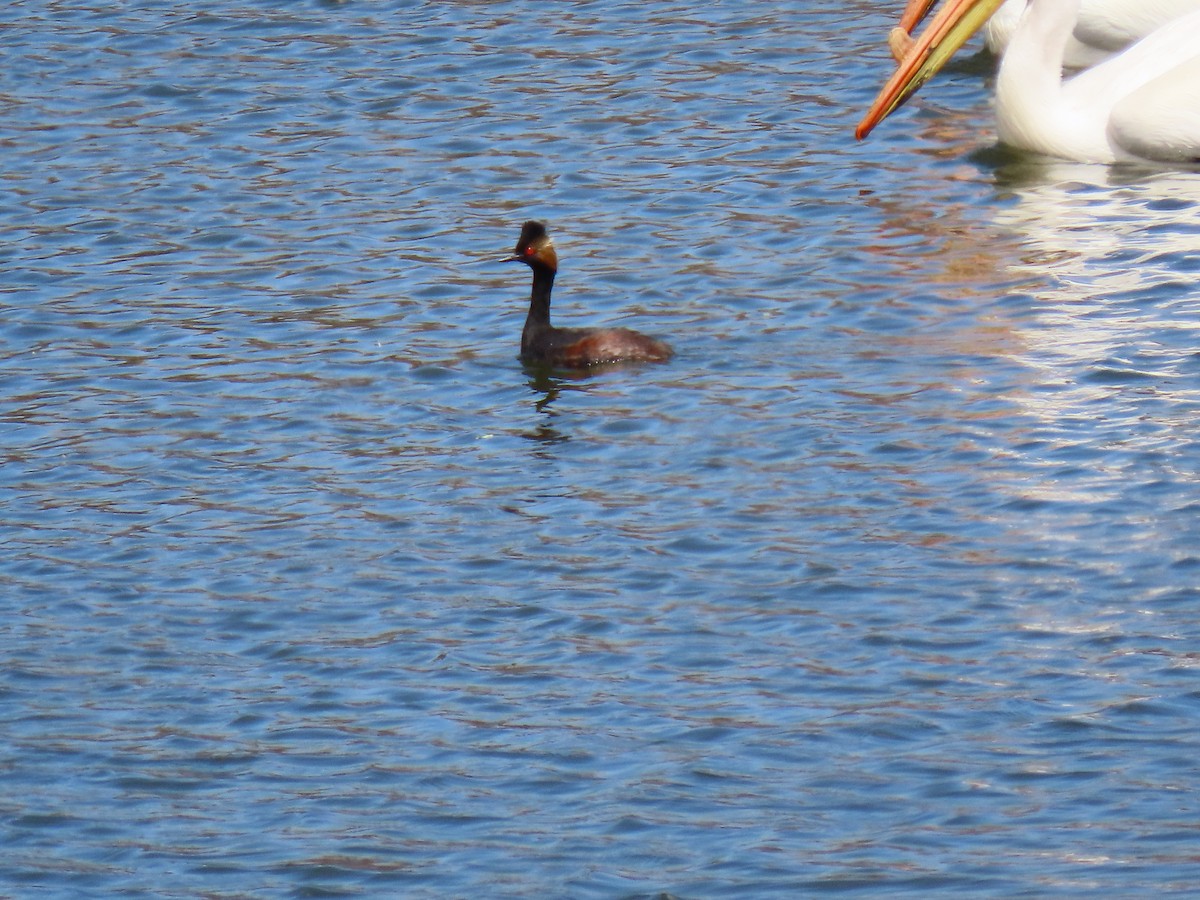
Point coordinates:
pixel 1142 103
pixel 1102 28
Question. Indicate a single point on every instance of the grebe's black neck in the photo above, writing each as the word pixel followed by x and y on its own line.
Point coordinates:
pixel 539 299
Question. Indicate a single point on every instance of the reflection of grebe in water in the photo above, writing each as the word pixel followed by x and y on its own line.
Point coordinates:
pixel 570 347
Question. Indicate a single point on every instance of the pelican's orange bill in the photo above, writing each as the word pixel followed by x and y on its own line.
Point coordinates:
pixel 914 13
pixel 947 31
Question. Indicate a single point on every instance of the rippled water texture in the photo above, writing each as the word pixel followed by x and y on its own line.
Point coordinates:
pixel 885 585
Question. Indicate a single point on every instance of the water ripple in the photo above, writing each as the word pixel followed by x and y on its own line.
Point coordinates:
pixel 885 583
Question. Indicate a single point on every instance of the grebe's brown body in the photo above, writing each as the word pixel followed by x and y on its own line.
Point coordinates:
pixel 541 342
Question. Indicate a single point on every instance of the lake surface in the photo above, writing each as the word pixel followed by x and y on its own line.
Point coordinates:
pixel 886 585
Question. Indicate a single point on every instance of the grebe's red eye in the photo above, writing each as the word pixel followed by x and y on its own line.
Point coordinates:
pixel 529 251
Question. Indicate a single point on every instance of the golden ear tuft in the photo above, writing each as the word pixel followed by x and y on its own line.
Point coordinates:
pixel 547 254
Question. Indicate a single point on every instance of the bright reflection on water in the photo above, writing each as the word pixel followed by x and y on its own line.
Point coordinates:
pixel 885 585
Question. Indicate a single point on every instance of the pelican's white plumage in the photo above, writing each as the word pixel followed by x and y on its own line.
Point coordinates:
pixel 1115 24
pixel 1102 28
pixel 1140 104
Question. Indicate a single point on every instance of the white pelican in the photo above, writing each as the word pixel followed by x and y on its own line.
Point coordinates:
pixel 1103 26
pixel 1142 104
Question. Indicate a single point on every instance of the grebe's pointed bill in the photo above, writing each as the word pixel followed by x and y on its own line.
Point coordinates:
pixel 947 31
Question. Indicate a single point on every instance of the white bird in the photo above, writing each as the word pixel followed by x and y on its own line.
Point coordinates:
pixel 1112 25
pixel 1141 104
pixel 1102 28
pixel 1079 53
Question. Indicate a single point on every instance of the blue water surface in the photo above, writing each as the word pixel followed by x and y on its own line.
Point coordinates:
pixel 886 585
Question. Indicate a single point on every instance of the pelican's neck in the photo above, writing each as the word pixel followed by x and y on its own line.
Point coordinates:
pixel 999 29
pixel 539 302
pixel 1033 110
pixel 1031 71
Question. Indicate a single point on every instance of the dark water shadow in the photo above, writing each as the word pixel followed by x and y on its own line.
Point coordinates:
pixel 1013 169
pixel 549 383
pixel 983 63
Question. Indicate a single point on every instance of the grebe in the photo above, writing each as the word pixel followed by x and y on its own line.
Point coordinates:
pixel 570 347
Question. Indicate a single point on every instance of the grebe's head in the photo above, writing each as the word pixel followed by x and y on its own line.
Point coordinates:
pixel 534 248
